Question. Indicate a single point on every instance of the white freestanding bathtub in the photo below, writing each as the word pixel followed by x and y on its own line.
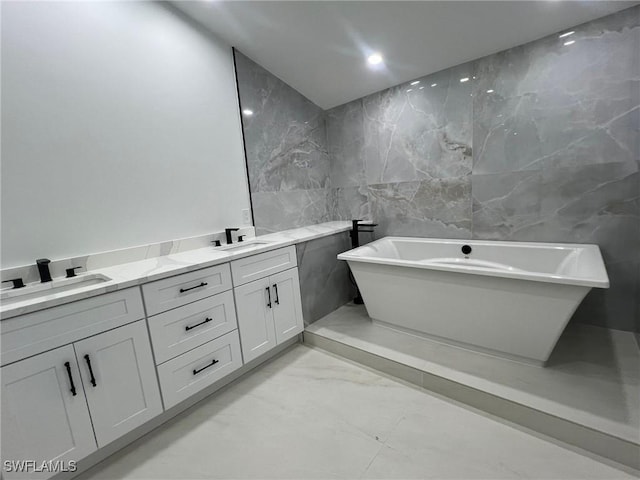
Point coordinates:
pixel 508 298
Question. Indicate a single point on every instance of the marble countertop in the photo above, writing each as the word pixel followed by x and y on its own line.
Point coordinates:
pixel 130 274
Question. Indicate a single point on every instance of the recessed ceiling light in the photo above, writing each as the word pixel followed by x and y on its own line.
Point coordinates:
pixel 410 90
pixel 434 84
pixel 416 82
pixel 374 59
pixel 420 88
pixel 247 112
pixel 489 91
pixel 566 34
pixel 465 79
pixel 570 42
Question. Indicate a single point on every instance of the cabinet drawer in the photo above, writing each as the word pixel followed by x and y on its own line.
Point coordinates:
pixel 186 288
pixel 262 265
pixel 189 373
pixel 37 332
pixel 182 329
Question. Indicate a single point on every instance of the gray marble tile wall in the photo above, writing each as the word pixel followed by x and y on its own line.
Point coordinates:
pixel 289 181
pixel 285 144
pixel 541 143
pixel 403 157
pixel 324 280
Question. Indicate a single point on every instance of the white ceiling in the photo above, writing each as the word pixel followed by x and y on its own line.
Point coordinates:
pixel 319 47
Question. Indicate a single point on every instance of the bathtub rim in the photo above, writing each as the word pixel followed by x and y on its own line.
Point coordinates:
pixel 353 256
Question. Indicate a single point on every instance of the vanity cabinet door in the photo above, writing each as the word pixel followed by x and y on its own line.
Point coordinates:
pixel 119 379
pixel 254 305
pixel 287 307
pixel 44 411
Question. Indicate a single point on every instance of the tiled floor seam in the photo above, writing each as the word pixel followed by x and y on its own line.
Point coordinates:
pixel 383 444
pixel 628 461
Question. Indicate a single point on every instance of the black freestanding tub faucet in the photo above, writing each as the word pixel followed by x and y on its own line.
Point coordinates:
pixel 355 232
pixel 356 229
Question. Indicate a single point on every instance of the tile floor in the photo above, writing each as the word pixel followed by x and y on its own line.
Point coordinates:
pixel 592 377
pixel 307 414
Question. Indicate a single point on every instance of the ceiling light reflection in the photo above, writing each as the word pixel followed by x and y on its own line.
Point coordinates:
pixel 374 59
pixel 566 34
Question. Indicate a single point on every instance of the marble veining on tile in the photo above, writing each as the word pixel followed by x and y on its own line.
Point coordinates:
pixel 282 210
pixel 547 135
pixel 422 133
pixel 546 104
pixel 345 141
pixel 540 142
pixel 285 137
pixel 435 208
pixel 324 280
pixel 351 203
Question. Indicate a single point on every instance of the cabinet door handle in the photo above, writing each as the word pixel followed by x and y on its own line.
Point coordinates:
pixel 203 284
pixel 275 289
pixel 213 362
pixel 93 379
pixel 206 320
pixel 269 295
pixel 73 387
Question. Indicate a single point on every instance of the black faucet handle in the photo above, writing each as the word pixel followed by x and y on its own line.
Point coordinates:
pixel 17 282
pixel 241 238
pixel 216 243
pixel 71 272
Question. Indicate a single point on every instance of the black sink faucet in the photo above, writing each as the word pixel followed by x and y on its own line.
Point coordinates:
pixel 43 269
pixel 227 232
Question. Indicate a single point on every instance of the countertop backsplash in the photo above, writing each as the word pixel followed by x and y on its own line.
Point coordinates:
pixel 130 267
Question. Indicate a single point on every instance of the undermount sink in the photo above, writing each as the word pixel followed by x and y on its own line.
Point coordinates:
pixel 244 245
pixel 37 290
